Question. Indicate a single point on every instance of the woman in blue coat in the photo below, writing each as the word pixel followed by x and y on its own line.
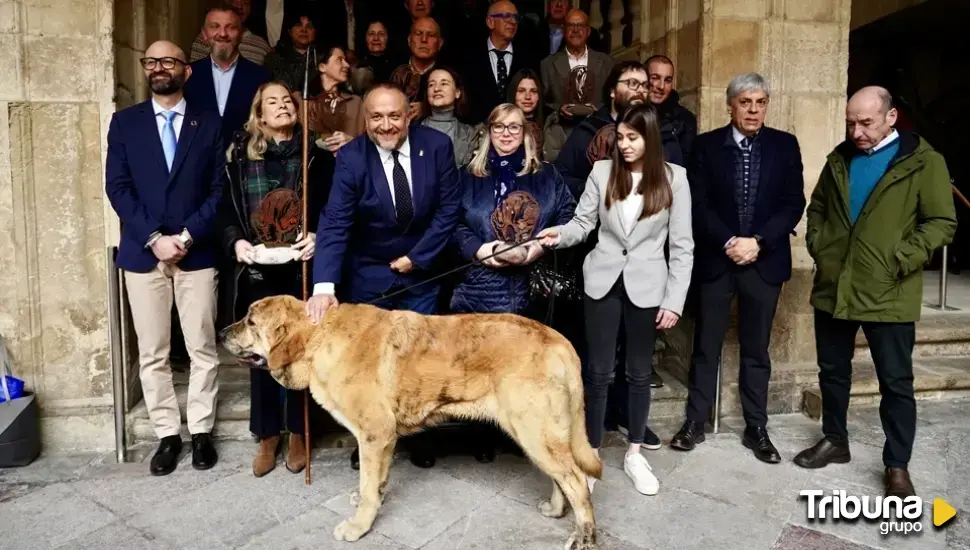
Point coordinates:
pixel 508 196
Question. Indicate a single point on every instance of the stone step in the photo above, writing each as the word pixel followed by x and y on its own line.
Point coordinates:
pixel 938 334
pixel 934 378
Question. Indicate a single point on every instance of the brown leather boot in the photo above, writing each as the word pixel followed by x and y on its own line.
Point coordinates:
pixel 265 459
pixel 898 483
pixel 296 454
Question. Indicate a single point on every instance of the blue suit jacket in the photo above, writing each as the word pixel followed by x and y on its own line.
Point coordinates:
pixel 778 208
pixel 148 199
pixel 359 235
pixel 200 89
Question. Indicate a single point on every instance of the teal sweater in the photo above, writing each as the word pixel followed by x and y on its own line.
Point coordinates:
pixel 865 171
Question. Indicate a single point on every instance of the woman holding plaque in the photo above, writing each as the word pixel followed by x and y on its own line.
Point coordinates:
pixel 335 115
pixel 442 98
pixel 640 203
pixel 261 215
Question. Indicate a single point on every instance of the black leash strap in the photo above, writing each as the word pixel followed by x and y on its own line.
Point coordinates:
pixel 449 272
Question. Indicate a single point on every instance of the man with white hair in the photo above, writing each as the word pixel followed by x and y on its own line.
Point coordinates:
pixel 748 195
pixel 882 206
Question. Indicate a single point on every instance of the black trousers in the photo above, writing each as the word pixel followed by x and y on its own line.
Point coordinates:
pixel 603 318
pixel 268 398
pixel 891 345
pixel 757 301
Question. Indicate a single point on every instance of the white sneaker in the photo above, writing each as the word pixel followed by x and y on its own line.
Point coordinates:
pixel 638 469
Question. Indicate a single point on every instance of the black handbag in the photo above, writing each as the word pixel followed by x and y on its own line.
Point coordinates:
pixel 548 283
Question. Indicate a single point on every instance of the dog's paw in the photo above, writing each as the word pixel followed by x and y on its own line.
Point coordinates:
pixel 355 498
pixel 348 531
pixel 577 541
pixel 547 509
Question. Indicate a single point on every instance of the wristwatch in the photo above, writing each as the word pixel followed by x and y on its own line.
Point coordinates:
pixel 185 238
pixel 758 239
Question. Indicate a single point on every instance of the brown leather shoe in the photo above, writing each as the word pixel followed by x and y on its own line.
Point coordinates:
pixel 265 460
pixel 296 454
pixel 898 483
pixel 822 454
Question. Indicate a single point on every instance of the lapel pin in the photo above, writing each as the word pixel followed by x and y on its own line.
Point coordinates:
pixel 194 123
pixel 421 153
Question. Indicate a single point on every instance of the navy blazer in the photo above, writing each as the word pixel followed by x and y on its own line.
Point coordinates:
pixel 147 198
pixel 359 234
pixel 778 207
pixel 200 89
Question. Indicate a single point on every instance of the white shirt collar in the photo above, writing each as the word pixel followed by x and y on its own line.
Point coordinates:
pixel 405 150
pixel 231 65
pixel 179 107
pixel 738 136
pixel 579 57
pixel 491 47
pixel 885 141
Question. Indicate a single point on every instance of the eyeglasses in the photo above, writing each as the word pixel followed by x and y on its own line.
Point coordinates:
pixel 507 15
pixel 514 128
pixel 579 26
pixel 633 83
pixel 149 63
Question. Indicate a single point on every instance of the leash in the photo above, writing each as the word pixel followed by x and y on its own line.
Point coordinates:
pixel 449 272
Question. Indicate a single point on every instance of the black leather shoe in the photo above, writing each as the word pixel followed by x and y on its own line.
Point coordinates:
pixel 757 440
pixel 204 454
pixel 898 483
pixel 485 455
pixel 422 459
pixel 355 459
pixel 656 381
pixel 822 454
pixel 167 456
pixel 690 434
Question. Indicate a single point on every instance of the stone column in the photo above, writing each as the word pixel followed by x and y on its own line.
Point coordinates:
pixel 801 47
pixel 55 101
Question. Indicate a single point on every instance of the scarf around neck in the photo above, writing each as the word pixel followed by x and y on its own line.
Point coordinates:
pixel 504 170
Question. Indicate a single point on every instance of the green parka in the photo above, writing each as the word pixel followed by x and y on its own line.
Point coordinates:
pixel 873 270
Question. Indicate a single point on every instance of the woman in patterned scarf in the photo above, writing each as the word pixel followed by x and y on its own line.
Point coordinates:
pixel 262 208
pixel 335 114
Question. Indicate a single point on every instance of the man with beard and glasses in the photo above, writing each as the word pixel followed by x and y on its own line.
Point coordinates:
pixel 225 82
pixel 393 207
pixel 163 177
pixel 252 46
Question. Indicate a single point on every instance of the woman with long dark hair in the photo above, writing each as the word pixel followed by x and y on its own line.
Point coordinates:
pixel 335 114
pixel 641 203
pixel 525 92
pixel 262 198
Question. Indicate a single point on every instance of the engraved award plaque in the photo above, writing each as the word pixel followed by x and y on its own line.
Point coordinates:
pixel 514 222
pixel 580 86
pixel 277 223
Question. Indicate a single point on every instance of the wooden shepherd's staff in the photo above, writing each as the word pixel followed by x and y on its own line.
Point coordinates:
pixel 306 219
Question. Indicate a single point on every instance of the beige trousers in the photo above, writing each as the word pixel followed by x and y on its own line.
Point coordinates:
pixel 150 296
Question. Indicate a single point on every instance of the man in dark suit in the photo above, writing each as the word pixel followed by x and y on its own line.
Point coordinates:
pixel 164 179
pixel 392 208
pixel 225 82
pixel 491 65
pixel 748 195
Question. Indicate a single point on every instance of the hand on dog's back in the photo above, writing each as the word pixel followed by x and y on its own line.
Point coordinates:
pixel 318 304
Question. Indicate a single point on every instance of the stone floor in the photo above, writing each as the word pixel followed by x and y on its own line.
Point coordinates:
pixel 717 496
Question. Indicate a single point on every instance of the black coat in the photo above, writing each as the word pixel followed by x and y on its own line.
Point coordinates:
pixel 480 86
pixel 678 129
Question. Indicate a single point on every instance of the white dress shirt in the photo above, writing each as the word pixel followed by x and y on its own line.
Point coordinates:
pixel 580 61
pixel 176 122
pixel 387 162
pixel 493 58
pixel 274 21
pixel 631 206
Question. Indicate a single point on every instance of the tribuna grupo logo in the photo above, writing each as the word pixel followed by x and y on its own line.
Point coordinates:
pixel 895 515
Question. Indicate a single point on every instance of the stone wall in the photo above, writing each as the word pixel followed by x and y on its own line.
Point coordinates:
pixel 801 47
pixel 55 101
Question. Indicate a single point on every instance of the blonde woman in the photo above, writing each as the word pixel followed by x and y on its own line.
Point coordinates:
pixel 640 203
pixel 266 156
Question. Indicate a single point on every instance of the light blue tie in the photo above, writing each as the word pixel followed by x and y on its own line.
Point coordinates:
pixel 168 138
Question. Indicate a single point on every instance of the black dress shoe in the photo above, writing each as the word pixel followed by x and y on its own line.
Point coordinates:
pixel 422 459
pixel 690 434
pixel 822 454
pixel 898 483
pixel 204 454
pixel 355 459
pixel 167 456
pixel 485 455
pixel 757 440
pixel 656 381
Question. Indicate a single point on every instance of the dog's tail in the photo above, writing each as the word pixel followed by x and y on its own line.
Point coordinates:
pixel 586 458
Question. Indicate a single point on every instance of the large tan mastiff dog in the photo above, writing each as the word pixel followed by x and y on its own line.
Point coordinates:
pixel 385 374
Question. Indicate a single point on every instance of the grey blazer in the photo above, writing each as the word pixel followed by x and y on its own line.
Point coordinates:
pixel 554 70
pixel 639 255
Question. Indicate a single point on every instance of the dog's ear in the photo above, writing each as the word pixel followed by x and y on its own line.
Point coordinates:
pixel 288 346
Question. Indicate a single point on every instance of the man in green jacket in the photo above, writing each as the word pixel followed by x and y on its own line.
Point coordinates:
pixel 882 206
